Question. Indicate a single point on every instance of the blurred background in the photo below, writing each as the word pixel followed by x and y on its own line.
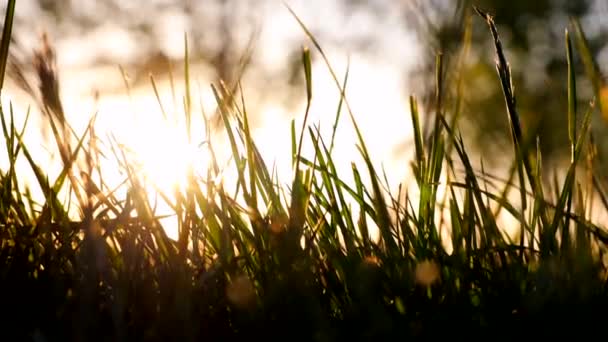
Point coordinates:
pixel 389 45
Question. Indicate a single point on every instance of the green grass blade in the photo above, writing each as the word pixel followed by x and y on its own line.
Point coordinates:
pixel 420 157
pixel 6 39
pixel 571 132
pixel 571 93
pixel 339 110
pixel 591 68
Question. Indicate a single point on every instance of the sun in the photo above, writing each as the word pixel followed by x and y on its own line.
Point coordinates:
pixel 165 155
pixel 157 147
pixel 166 158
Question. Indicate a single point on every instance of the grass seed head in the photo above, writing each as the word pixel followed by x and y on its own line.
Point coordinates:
pixel 48 81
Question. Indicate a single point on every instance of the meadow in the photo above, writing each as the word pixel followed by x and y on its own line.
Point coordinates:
pixel 322 259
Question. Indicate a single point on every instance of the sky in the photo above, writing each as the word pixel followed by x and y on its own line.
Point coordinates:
pixel 377 91
pixel 376 77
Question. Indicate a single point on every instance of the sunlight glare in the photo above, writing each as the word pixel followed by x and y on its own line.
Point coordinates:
pixel 156 147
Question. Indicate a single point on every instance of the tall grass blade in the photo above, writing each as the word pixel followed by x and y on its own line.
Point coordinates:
pixel 6 39
pixel 520 146
pixel 339 110
pixel 419 166
pixel 571 132
pixel 591 67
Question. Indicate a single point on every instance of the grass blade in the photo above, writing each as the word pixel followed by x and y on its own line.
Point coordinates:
pixel 6 39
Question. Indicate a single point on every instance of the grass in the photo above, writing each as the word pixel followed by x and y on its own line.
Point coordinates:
pixel 300 262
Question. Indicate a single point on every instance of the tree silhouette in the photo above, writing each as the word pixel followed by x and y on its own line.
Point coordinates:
pixel 532 33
